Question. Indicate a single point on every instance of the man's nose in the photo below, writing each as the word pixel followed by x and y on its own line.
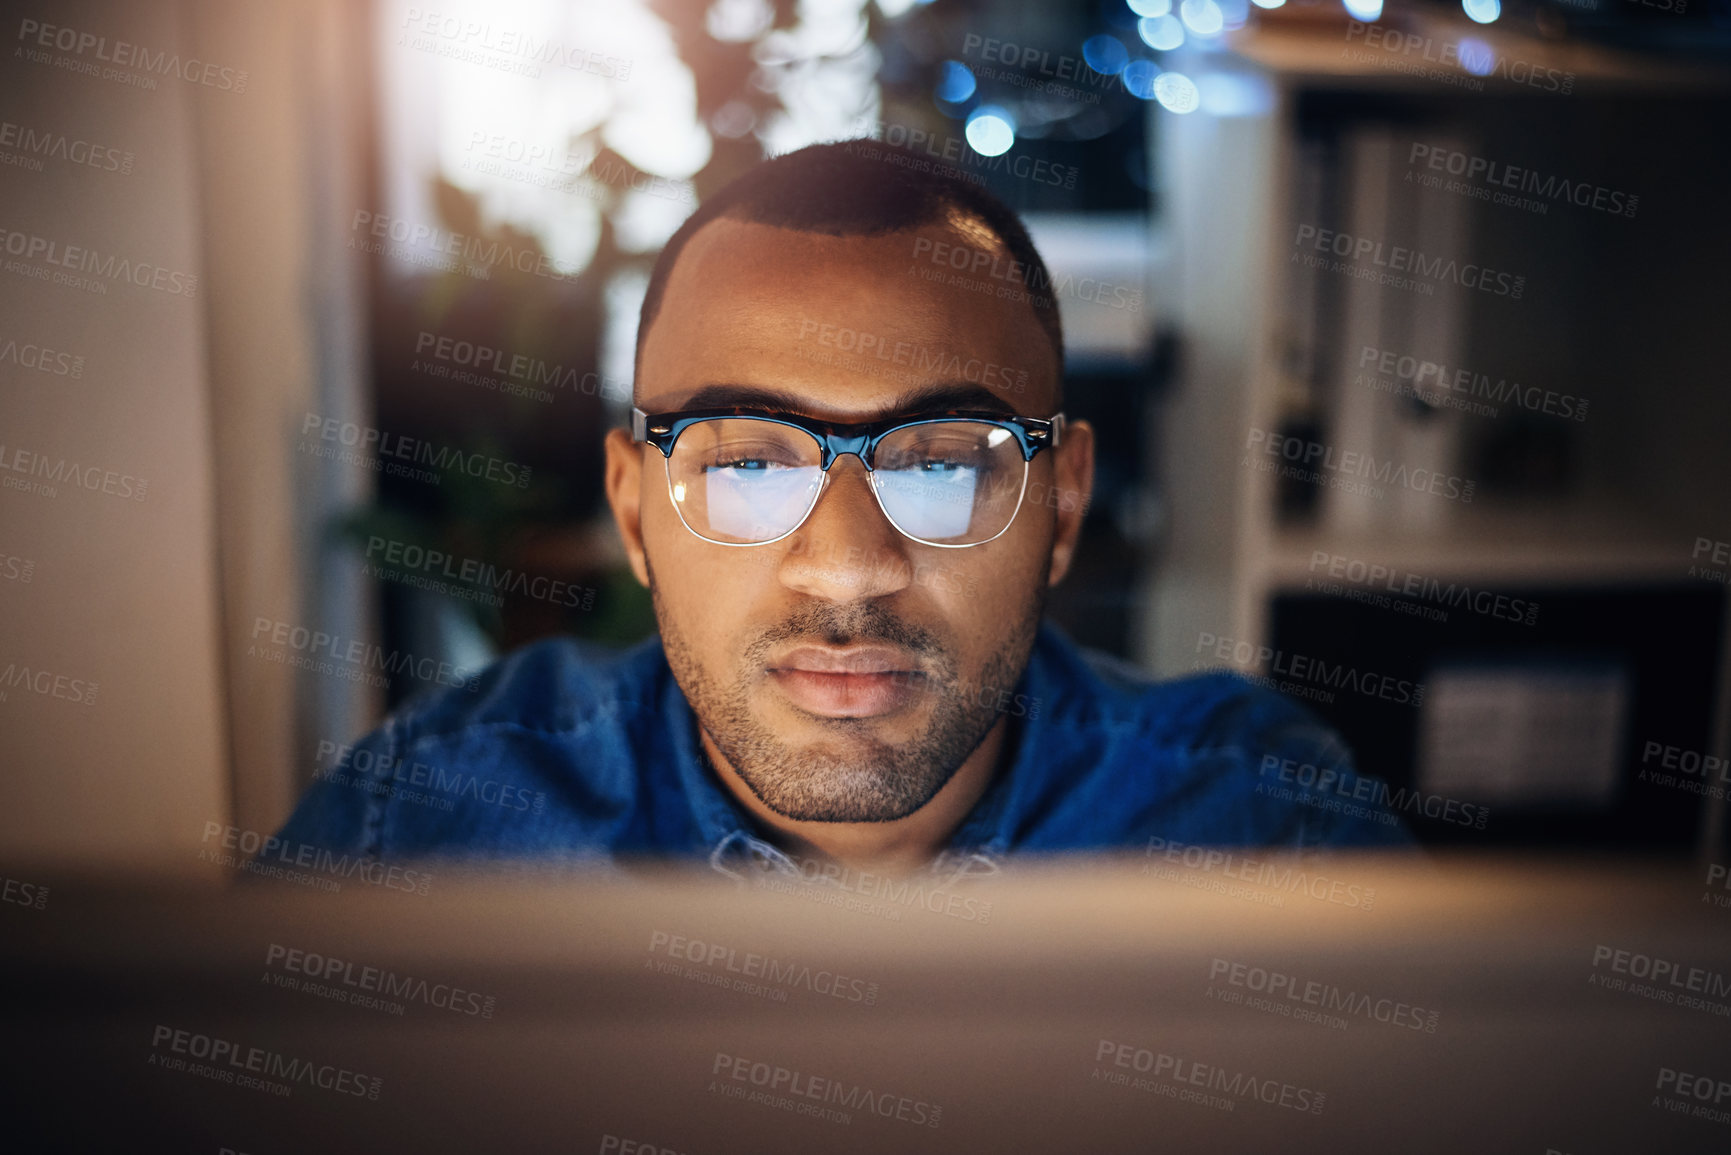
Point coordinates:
pixel 847 550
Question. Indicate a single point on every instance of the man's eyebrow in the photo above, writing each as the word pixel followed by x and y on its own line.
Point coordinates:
pixel 943 395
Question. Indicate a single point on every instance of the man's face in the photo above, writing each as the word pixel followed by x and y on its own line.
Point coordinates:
pixel 845 672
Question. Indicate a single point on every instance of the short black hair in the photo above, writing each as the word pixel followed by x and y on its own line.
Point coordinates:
pixel 852 188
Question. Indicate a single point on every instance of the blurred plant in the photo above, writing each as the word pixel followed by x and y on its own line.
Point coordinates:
pixel 556 322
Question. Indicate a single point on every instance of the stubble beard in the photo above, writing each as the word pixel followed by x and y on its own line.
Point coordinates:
pixel 850 776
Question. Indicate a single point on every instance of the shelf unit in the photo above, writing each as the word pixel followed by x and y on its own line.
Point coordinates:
pixel 1647 479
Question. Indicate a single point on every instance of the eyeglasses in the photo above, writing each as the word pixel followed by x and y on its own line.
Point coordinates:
pixel 750 477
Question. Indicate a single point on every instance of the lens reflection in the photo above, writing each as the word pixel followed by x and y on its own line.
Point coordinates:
pixel 745 481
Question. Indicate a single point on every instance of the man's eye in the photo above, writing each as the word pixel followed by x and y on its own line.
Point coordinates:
pixel 931 462
pixel 746 464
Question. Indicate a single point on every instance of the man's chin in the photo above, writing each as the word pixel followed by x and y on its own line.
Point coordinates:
pixel 852 776
pixel 845 806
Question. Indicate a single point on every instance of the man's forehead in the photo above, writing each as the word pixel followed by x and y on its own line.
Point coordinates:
pixel 851 324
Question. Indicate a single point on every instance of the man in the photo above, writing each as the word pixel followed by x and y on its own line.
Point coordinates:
pixel 848 486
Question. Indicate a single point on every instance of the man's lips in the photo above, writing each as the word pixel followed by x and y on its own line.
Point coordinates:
pixel 850 682
pixel 847 660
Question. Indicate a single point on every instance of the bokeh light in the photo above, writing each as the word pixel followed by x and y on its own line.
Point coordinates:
pixel 1139 76
pixel 1202 17
pixel 1176 92
pixel 1105 54
pixel 1161 32
pixel 955 82
pixel 991 130
pixel 1476 56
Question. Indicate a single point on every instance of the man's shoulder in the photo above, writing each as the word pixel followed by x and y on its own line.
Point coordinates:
pixel 1208 758
pixel 1201 711
pixel 552 685
pixel 550 751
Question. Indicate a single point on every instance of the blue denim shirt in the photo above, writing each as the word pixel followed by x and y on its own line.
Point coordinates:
pixel 567 753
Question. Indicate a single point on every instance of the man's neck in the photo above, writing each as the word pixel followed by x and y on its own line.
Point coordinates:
pixel 897 847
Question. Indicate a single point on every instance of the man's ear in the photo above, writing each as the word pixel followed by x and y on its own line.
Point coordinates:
pixel 1073 478
pixel 625 495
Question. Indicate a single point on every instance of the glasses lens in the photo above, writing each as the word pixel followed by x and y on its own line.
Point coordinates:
pixel 950 482
pixel 739 481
